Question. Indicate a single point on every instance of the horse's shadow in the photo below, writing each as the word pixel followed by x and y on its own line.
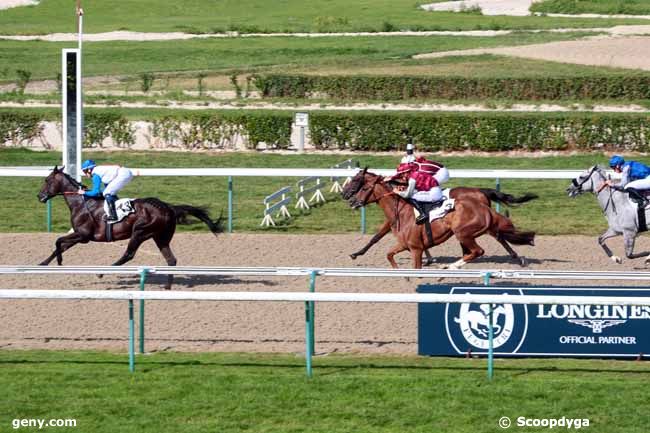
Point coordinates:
pixel 445 260
pixel 190 281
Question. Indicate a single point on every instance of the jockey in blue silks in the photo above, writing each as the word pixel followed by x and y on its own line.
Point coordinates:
pixel 635 176
pixel 115 177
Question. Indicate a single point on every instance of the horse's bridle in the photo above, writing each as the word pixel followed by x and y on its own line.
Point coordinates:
pixel 588 177
pixel 370 190
pixel 593 187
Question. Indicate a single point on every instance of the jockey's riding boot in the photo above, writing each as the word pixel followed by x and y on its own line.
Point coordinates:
pixel 423 213
pixel 112 213
pixel 636 196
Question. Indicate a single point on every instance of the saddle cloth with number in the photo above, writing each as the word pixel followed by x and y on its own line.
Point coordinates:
pixel 123 208
pixel 442 210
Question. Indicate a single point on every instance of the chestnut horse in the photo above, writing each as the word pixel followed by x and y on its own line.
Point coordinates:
pixel 483 195
pixel 470 219
pixel 152 219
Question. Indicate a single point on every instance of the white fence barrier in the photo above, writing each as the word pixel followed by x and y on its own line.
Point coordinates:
pixel 302 172
pixel 309 298
pixel 506 274
pixel 167 295
pixel 312 172
pixel 278 207
pixel 307 186
pixel 348 164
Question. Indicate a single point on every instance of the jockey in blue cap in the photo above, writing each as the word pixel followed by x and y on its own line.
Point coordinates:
pixel 635 176
pixel 115 177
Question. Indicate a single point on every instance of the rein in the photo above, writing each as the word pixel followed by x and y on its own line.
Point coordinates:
pixel 610 200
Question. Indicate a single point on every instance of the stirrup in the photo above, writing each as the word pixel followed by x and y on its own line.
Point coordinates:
pixel 421 219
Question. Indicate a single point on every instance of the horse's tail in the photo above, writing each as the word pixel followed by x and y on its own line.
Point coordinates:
pixel 507 199
pixel 518 238
pixel 182 211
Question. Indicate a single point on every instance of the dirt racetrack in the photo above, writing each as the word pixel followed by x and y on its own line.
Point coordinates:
pixel 252 326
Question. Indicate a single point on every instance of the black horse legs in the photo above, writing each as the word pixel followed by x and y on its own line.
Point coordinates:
pixel 163 246
pixel 62 244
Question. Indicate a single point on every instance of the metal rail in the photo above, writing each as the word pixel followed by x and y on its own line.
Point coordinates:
pixel 333 272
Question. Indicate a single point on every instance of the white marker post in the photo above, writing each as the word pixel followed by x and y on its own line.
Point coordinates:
pixel 71 111
pixel 302 121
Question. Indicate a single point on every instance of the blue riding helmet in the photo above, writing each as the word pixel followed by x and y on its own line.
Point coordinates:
pixel 88 165
pixel 616 161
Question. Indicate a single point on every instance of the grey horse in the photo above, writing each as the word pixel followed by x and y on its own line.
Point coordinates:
pixel 620 212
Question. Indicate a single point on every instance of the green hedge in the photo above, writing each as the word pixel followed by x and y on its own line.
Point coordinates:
pixel 20 129
pixel 404 87
pixel 182 129
pixel 218 130
pixel 480 132
pixel 366 131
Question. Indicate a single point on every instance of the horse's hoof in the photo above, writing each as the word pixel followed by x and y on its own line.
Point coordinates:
pixel 100 275
pixel 523 262
pixel 617 259
pixel 42 264
pixel 429 262
pixel 353 256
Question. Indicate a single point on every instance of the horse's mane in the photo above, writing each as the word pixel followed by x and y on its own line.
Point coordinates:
pixel 72 179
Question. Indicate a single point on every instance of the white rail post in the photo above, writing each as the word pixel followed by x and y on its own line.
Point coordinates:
pixel 302 203
pixel 281 206
pixel 336 186
pixel 318 195
pixel 268 219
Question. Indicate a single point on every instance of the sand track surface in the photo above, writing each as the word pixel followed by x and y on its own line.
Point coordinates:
pixel 620 52
pixel 250 326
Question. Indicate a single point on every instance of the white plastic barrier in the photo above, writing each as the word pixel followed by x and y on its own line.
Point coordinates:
pixel 309 298
pixel 307 186
pixel 312 172
pixel 347 164
pixel 167 295
pixel 279 207
pixel 302 172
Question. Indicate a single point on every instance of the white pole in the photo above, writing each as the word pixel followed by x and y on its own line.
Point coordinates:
pixel 80 17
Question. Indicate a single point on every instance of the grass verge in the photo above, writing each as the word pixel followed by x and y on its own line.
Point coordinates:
pixel 253 16
pixel 604 7
pixel 116 58
pixel 173 392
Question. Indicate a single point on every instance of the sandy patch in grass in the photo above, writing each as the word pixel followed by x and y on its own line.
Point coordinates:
pixel 620 52
pixel 488 7
pixel 8 4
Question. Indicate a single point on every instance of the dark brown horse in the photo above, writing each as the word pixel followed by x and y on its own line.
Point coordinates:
pixel 470 219
pixel 483 195
pixel 152 219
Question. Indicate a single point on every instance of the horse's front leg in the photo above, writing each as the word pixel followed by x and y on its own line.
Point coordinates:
pixel 61 245
pixel 628 241
pixel 416 255
pixel 610 233
pixel 397 249
pixel 383 230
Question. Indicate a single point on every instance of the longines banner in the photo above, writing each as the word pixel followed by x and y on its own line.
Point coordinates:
pixel 535 330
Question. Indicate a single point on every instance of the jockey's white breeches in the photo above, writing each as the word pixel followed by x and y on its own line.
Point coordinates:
pixel 123 177
pixel 639 184
pixel 442 175
pixel 434 194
